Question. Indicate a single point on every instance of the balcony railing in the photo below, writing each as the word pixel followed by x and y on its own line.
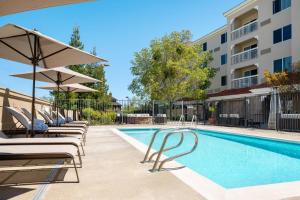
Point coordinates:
pixel 244 30
pixel 244 82
pixel 244 56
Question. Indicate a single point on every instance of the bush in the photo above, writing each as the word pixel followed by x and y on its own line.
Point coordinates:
pixel 99 117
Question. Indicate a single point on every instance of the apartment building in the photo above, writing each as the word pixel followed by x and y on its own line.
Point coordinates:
pixel 259 35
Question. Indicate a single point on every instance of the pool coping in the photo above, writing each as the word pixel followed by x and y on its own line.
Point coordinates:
pixel 213 191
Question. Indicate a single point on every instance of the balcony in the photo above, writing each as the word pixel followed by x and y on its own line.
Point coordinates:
pixel 244 82
pixel 244 30
pixel 244 56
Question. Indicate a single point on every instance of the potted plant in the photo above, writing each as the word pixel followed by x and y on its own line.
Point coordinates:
pixel 212 118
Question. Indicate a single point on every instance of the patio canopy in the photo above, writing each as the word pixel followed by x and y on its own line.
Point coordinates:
pixel 69 88
pixel 59 76
pixel 14 6
pixel 31 47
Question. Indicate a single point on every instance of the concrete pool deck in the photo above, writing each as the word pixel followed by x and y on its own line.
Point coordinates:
pixel 111 170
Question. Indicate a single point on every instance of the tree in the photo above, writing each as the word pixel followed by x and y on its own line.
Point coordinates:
pixel 171 68
pixel 284 81
pixel 76 42
pixel 94 70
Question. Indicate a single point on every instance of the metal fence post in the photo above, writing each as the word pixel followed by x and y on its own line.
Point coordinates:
pixel 89 115
pixel 245 110
pixel 153 112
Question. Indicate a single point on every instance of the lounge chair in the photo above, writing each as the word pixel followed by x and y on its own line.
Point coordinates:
pixel 39 152
pixel 40 127
pixel 4 140
pixel 51 122
pixel 69 120
pixel 61 121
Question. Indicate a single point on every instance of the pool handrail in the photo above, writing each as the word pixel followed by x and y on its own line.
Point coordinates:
pixel 181 154
pixel 169 148
pixel 151 143
pixel 176 156
pixel 153 139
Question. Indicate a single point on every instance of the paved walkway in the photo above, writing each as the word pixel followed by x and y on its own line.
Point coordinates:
pixel 112 171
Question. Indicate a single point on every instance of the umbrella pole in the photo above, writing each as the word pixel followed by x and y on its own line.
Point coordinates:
pixel 68 107
pixel 33 102
pixel 57 104
pixel 34 64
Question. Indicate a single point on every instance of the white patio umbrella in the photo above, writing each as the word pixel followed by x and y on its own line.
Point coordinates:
pixel 57 75
pixel 60 76
pixel 69 88
pixel 76 87
pixel 31 47
pixel 15 6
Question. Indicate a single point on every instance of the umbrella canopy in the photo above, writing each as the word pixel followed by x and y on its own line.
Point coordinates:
pixel 31 47
pixel 69 88
pixel 58 75
pixel 14 6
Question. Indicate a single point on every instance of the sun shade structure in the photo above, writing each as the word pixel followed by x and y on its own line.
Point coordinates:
pixel 33 48
pixel 15 6
pixel 69 88
pixel 60 76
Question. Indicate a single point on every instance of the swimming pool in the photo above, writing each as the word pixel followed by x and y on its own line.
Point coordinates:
pixel 233 161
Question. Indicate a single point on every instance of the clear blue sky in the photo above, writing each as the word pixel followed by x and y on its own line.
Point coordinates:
pixel 117 28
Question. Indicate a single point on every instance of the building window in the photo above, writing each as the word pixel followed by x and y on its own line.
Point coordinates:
pixel 279 5
pixel 204 46
pixel 224 59
pixel 282 34
pixel 223 80
pixel 287 64
pixel 223 38
pixel 277 36
pixel 283 65
pixel 277 65
pixel 287 32
pixel 252 72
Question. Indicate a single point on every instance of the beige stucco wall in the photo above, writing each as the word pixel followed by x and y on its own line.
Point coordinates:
pixel 214 42
pixel 263 10
pixel 17 100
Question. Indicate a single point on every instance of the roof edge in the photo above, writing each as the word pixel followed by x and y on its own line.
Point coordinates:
pixel 216 31
pixel 238 7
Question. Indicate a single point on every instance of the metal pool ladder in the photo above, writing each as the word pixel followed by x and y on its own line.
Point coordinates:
pixel 159 164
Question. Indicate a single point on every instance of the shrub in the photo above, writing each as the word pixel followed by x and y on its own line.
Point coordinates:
pixel 99 117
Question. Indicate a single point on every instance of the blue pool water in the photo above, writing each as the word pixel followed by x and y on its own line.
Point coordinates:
pixel 233 161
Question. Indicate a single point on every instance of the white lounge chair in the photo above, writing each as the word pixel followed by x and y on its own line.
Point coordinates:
pixel 43 128
pixel 4 140
pixel 39 152
pixel 53 122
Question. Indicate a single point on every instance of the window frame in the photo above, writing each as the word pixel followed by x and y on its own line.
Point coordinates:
pixel 204 46
pixel 224 59
pixel 224 38
pixel 283 64
pixel 223 80
pixel 280 5
pixel 288 31
pixel 275 37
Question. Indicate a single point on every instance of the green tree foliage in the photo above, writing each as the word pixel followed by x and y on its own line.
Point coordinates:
pixel 171 68
pixel 94 70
